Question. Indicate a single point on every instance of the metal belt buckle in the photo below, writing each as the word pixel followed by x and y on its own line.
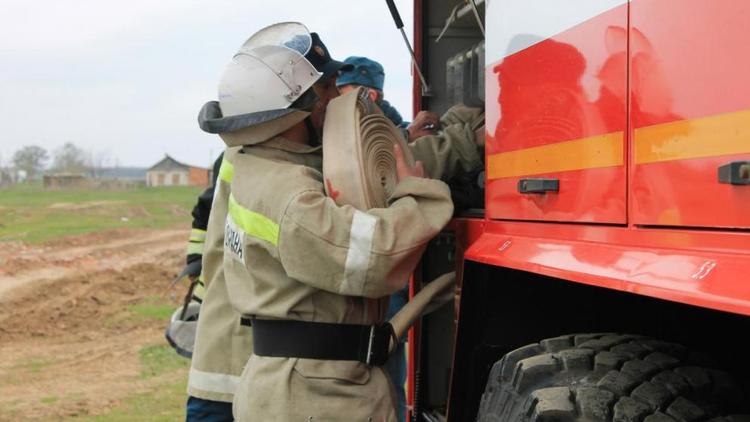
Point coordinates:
pixel 377 346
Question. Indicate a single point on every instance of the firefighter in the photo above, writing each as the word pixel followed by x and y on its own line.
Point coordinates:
pixel 223 342
pixel 200 213
pixel 314 277
pixel 180 332
pixel 221 348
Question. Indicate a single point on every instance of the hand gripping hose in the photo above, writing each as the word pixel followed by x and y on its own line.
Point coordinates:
pixel 358 162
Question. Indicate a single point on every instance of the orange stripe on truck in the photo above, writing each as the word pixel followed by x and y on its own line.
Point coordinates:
pixel 593 152
pixel 723 134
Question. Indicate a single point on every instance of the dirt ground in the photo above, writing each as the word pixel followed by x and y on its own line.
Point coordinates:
pixel 75 315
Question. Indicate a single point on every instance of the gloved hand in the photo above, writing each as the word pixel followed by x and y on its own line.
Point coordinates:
pixel 190 258
pixel 192 270
pixel 182 327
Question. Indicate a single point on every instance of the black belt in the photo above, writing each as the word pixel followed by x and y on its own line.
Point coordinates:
pixel 319 340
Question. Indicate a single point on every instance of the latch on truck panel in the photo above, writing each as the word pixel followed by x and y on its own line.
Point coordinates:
pixel 538 185
pixel 735 173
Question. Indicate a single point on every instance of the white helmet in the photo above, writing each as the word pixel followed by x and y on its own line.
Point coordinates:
pixel 270 71
pixel 265 89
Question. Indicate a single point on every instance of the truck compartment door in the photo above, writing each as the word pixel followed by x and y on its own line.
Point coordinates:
pixel 556 87
pixel 690 102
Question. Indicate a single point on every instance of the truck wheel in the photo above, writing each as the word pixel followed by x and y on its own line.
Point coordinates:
pixel 608 377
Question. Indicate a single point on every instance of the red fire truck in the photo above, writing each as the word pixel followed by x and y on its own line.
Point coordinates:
pixel 604 266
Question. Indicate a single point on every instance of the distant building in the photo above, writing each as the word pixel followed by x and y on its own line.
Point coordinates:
pixel 122 173
pixel 65 180
pixel 170 172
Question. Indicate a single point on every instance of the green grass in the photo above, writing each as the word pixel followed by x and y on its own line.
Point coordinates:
pixel 164 400
pixel 158 359
pixel 152 310
pixel 36 365
pixel 166 403
pixel 147 309
pixel 49 400
pixel 33 365
pixel 33 214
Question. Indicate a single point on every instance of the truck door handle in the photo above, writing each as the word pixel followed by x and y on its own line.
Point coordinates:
pixel 538 185
pixel 735 173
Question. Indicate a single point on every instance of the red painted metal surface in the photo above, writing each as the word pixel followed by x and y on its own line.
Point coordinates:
pixel 413 336
pixel 690 59
pixel 569 87
pixel 412 356
pixel 592 195
pixel 671 79
pixel 687 193
pixel 699 268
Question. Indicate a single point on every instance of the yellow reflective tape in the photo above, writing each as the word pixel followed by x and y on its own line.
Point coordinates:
pixel 579 154
pixel 253 223
pixel 226 171
pixel 199 291
pixel 195 248
pixel 724 134
pixel 197 235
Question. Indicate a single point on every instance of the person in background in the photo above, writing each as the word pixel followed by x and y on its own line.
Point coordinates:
pixel 369 73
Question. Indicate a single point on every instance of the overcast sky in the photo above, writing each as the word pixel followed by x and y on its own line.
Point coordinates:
pixel 126 79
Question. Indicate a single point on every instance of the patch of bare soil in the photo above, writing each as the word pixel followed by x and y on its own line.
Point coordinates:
pixel 83 205
pixel 68 344
pixel 24 264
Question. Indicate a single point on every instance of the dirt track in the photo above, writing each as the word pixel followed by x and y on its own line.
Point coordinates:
pixel 68 345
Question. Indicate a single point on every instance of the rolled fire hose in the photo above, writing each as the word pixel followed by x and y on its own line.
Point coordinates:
pixel 431 297
pixel 359 166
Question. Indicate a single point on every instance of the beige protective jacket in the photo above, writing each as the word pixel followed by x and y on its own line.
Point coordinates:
pixel 222 345
pixel 292 253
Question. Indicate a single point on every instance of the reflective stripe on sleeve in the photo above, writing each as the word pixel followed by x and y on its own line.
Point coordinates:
pixel 213 382
pixel 226 171
pixel 252 223
pixel 358 256
pixel 197 235
pixel 195 248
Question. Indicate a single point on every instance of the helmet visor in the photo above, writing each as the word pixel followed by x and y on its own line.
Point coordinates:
pixel 281 48
pixel 292 35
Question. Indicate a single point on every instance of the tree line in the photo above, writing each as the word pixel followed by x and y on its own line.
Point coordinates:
pixel 33 160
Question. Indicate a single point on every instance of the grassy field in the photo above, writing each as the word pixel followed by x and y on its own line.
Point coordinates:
pixel 33 214
pixel 166 401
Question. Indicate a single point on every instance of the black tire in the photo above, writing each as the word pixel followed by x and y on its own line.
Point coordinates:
pixel 605 378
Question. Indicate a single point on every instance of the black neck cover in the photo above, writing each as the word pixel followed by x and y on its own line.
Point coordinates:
pixel 312 135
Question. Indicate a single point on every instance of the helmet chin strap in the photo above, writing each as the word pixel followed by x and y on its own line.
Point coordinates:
pixel 312 135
